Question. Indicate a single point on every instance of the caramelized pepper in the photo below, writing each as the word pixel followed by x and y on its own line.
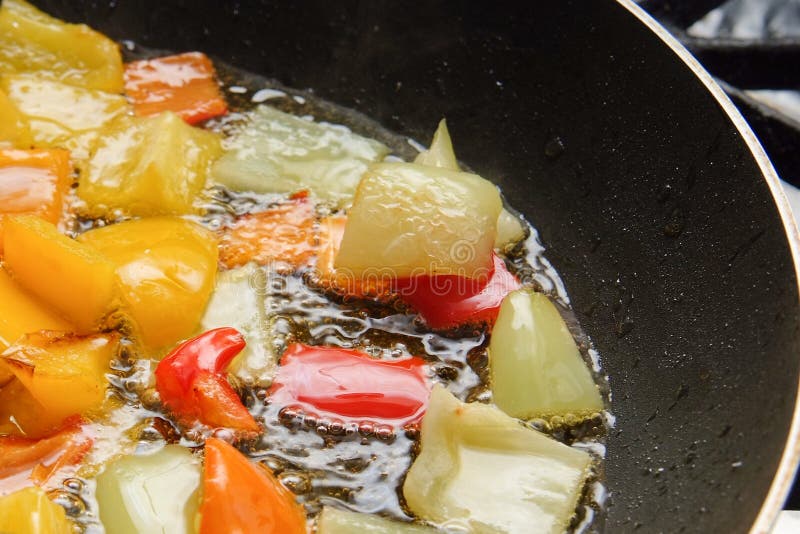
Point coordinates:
pixel 191 381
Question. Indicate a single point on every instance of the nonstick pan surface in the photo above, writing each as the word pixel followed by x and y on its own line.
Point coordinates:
pixel 652 197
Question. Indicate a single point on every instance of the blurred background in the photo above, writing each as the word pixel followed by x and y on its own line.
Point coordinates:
pixel 752 47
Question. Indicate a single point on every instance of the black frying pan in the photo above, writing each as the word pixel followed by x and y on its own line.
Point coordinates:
pixel 652 196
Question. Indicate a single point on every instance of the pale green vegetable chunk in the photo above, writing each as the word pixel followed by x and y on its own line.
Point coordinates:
pixel 153 493
pixel 482 471
pixel 509 230
pixel 334 521
pixel 536 368
pixel 239 300
pixel 280 153
pixel 440 154
pixel 409 219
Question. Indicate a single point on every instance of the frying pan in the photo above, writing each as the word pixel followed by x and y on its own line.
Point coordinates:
pixel 653 198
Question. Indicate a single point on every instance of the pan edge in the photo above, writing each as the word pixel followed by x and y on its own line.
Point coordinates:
pixel 787 468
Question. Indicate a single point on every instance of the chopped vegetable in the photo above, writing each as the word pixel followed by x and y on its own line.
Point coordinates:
pixel 510 230
pixel 6 376
pixel 410 220
pixel 330 237
pixel 29 511
pixel 31 41
pixel 282 153
pixel 283 236
pixel 14 128
pixel 184 84
pixel 335 521
pixel 447 301
pixel 480 470
pixel 153 493
pixel 25 461
pixel 536 368
pixel 62 115
pixel 239 496
pixel 33 182
pixel 148 166
pixel 21 313
pixel 191 381
pixel 166 268
pixel 21 414
pixel 440 154
pixel 443 301
pixel 348 384
pixel 239 301
pixel 72 278
pixel 100 283
pixel 64 373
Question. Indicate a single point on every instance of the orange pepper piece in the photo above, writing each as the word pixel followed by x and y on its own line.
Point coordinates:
pixel 26 462
pixel 184 84
pixel 284 235
pixel 33 182
pixel 239 496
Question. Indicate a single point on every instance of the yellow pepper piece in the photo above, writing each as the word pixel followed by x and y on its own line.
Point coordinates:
pixel 166 267
pixel 64 373
pixel 22 415
pixel 148 166
pixel 32 41
pixel 29 511
pixel 63 115
pixel 71 278
pixel 14 129
pixel 21 314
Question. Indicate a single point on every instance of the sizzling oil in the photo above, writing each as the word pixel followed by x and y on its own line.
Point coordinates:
pixel 324 461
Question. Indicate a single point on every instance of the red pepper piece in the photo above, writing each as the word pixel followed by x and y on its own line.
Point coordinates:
pixel 351 385
pixel 191 381
pixel 447 301
pixel 184 83
pixel 240 497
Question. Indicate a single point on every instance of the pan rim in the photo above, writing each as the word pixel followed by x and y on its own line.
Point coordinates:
pixel 787 467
